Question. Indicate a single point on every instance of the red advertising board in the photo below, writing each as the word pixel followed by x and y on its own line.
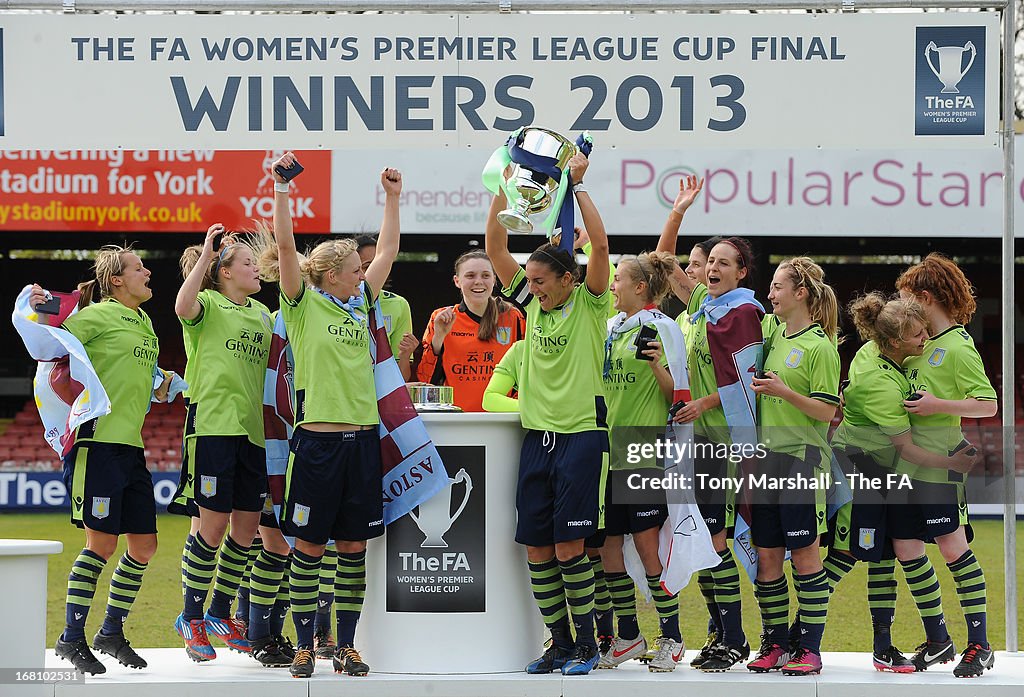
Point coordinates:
pixel 155 190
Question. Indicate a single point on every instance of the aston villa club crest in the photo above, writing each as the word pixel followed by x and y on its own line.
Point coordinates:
pixel 867 538
pixel 300 516
pixel 100 507
pixel 794 358
pixel 935 359
pixel 387 323
pixel 208 486
pixel 503 335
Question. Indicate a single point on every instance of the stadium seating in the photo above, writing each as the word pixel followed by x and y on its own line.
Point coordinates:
pixel 23 449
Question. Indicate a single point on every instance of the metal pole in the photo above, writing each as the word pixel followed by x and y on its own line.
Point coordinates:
pixel 483 5
pixel 1009 453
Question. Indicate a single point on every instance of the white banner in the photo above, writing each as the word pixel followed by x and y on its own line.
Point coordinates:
pixel 801 192
pixel 435 81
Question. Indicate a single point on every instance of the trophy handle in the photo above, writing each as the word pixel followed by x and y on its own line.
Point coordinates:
pixel 927 58
pixel 974 53
pixel 462 476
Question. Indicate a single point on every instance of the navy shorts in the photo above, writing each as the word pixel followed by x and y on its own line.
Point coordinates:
pixel 714 504
pixel 334 486
pixel 861 527
pixel 628 517
pixel 559 496
pixel 220 473
pixel 930 510
pixel 785 516
pixel 110 488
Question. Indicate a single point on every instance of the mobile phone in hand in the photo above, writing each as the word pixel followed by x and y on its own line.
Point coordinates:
pixel 646 336
pixel 49 307
pixel 966 447
pixel 290 172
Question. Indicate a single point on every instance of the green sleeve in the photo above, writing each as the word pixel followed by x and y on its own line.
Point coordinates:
pixel 192 325
pixel 401 324
pixel 969 374
pixel 496 395
pixel 517 290
pixel 293 310
pixel 824 374
pixel 504 379
pixel 85 325
pixel 696 298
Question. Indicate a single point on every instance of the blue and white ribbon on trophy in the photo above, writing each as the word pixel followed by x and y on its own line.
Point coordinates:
pixel 562 214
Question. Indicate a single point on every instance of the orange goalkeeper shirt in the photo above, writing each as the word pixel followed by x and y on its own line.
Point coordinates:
pixel 467 362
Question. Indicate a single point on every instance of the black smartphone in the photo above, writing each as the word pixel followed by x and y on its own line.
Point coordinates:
pixel 761 374
pixel 914 397
pixel 647 334
pixel 966 446
pixel 49 307
pixel 218 239
pixel 290 172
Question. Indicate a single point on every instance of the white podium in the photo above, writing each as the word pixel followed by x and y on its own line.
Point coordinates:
pixel 448 589
pixel 23 567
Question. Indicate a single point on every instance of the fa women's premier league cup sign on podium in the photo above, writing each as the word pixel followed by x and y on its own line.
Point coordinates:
pixel 532 168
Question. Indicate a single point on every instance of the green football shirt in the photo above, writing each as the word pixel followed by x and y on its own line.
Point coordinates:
pixel 634 398
pixel 949 368
pixel 123 349
pixel 808 363
pixel 333 366
pixel 560 385
pixel 873 410
pixel 511 362
pixel 692 305
pixel 397 318
pixel 712 423
pixel 227 365
pixel 189 343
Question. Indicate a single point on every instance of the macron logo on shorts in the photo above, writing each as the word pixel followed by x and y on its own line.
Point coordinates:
pixel 797 533
pixel 578 523
pixel 938 521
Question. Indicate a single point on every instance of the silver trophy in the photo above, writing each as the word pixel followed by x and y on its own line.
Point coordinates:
pixel 531 193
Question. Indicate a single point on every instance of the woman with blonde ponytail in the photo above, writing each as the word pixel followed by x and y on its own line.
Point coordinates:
pixel 334 479
pixel 224 476
pixel 105 472
pixel 798 392
pixel 639 387
pixel 464 342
